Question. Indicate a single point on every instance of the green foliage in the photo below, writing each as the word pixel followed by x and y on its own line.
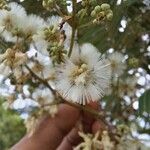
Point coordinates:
pixel 144 103
pixel 11 128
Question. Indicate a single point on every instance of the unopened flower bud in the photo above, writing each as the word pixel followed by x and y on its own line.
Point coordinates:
pixel 102 14
pixel 105 6
pixel 82 13
pixel 97 8
pixel 93 13
pixel 133 62
pixel 109 16
pixel 50 1
pixel 83 3
pixel 94 21
pixel 44 4
pixel 93 2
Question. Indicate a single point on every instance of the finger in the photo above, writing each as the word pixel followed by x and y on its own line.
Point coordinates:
pixel 51 131
pixel 71 140
pixel 98 126
pixel 87 118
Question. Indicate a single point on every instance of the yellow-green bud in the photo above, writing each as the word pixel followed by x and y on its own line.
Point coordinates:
pixel 93 2
pixel 83 3
pixel 133 62
pixel 93 13
pixel 82 13
pixel 94 21
pixel 97 8
pixel 44 4
pixel 109 11
pixel 50 1
pixel 105 6
pixel 102 14
pixel 109 16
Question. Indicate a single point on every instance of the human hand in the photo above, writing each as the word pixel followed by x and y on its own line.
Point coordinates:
pixel 60 132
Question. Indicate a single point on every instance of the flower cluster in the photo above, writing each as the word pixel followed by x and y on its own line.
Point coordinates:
pixel 90 142
pixel 81 78
pixel 104 141
pixel 47 65
pixel 101 13
pixel 118 64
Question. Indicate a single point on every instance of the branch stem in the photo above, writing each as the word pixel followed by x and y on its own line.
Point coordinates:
pixel 41 80
pixel 59 11
pixel 73 27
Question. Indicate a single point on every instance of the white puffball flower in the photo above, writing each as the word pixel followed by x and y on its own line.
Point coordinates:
pixel 84 77
pixel 31 25
pixel 11 61
pixel 127 86
pixel 53 21
pixel 43 96
pixel 117 63
pixel 42 67
pixel 10 20
pixel 17 9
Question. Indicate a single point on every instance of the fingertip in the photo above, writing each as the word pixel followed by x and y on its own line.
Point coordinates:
pixel 87 118
pixel 98 126
pixel 67 116
pixel 94 105
pixel 66 110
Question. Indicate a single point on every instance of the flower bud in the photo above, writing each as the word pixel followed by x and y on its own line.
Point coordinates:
pixel 133 62
pixel 94 21
pixel 93 13
pixel 102 14
pixel 44 4
pixel 82 13
pixel 50 2
pixel 105 6
pixel 93 2
pixel 97 8
pixel 83 3
pixel 109 16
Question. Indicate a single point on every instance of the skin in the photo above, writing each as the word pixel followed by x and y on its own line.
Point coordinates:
pixel 60 132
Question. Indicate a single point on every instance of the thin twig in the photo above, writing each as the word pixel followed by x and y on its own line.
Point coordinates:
pixel 95 113
pixel 41 80
pixel 86 25
pixel 73 27
pixel 59 11
pixel 51 104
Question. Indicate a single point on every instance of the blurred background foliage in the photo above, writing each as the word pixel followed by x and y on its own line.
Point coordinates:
pixel 11 127
pixel 125 38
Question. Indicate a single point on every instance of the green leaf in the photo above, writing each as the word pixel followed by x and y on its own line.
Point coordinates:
pixel 144 103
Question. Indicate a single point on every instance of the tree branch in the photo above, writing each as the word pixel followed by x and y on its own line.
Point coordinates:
pixel 41 80
pixel 73 27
